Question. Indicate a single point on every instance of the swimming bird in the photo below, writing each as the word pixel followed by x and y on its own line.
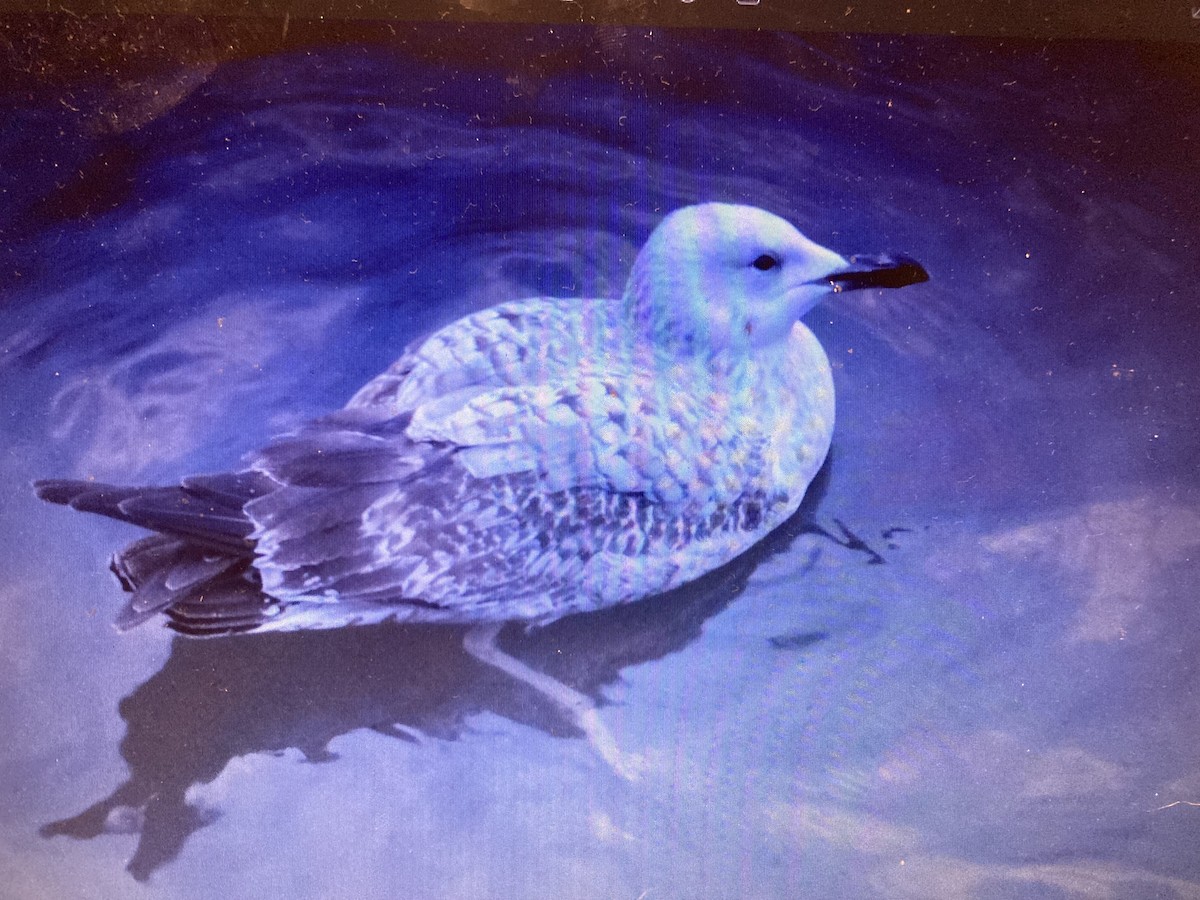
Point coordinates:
pixel 539 458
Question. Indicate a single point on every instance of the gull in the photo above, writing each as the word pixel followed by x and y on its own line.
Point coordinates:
pixel 536 459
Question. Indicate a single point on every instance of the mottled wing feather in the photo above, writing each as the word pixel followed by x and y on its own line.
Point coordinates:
pixel 346 449
pixel 518 342
pixel 309 531
pixel 619 433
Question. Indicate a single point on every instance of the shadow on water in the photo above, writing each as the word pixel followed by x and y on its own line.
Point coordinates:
pixel 218 699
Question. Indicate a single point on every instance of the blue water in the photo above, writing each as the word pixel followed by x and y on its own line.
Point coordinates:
pixel 966 669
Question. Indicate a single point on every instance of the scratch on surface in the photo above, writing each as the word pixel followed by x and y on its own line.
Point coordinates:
pixel 1177 803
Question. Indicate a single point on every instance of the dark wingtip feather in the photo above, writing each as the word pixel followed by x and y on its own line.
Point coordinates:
pixel 129 618
pixel 62 490
pixel 232 489
pixel 207 631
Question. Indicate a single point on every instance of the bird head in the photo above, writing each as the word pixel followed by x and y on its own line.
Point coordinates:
pixel 718 277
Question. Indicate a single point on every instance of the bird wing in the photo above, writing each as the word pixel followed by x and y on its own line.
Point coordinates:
pixel 625 433
pixel 439 507
pixel 309 532
pixel 518 342
pixel 539 385
pixel 421 488
pixel 349 448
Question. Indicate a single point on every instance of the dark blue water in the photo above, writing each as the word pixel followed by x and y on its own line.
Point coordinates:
pixel 966 669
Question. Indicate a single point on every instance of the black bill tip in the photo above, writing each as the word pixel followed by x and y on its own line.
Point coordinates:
pixel 888 270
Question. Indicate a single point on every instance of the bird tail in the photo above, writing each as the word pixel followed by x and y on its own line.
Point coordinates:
pixel 203 594
pixel 198 569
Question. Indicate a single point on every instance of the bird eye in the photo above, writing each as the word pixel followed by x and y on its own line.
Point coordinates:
pixel 765 263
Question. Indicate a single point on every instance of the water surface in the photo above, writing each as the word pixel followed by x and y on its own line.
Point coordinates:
pixel 966 669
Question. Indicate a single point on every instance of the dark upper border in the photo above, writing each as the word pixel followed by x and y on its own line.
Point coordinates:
pixel 1174 20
